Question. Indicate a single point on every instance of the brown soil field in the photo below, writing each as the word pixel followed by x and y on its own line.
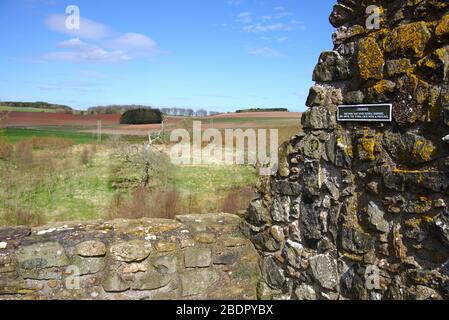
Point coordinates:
pixel 42 119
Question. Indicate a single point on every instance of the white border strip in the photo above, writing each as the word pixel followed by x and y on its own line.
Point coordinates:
pixel 390 105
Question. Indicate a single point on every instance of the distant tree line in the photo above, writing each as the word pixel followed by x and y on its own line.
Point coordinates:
pixel 184 112
pixel 114 109
pixel 37 105
pixel 263 110
pixel 187 112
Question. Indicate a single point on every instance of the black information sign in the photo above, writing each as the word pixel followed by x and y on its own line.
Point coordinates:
pixel 365 112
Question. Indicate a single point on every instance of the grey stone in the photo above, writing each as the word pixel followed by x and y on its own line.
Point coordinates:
pixel 342 34
pixel 8 263
pixel 280 209
pixel 265 242
pixel 426 293
pixel 149 280
pixel 355 241
pixel 305 292
pixel 272 273
pixel 324 270
pixel 310 222
pixel 354 97
pixel 331 67
pixel 311 177
pixel 341 14
pixel 288 188
pixel 196 257
pixel 228 257
pixel 14 233
pixel 311 147
pixel 376 218
pixel 42 255
pixel 165 263
pixel 400 66
pixel 89 265
pixel 198 281
pixel 319 118
pixel 42 274
pixel 113 281
pixel 258 214
pixel 131 251
pixel 320 95
pixel 91 249
pixel 442 226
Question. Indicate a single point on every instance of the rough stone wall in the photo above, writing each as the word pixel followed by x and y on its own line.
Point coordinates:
pixel 194 257
pixel 359 210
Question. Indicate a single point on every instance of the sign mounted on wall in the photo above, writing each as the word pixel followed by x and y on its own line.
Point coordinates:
pixel 365 112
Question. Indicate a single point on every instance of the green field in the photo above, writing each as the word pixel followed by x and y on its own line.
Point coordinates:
pixel 14 135
pixel 24 109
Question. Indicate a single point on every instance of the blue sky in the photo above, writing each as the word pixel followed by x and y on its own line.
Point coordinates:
pixel 213 54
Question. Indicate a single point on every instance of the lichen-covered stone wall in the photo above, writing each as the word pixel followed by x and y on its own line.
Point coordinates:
pixel 192 257
pixel 359 210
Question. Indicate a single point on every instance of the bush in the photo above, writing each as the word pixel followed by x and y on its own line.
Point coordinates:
pixel 6 150
pixel 50 143
pixel 24 153
pixel 141 116
pixel 85 156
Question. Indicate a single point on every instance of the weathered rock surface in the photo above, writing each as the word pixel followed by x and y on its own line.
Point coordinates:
pixel 368 216
pixel 130 259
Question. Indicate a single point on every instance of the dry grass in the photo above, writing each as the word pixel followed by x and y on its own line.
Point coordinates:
pixel 237 199
pixel 23 154
pixel 6 150
pixel 144 203
pixel 51 143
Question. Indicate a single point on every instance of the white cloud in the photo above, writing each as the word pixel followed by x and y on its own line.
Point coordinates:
pixel 235 2
pixel 277 21
pixel 89 29
pixel 245 17
pixel 95 42
pixel 83 52
pixel 135 40
pixel 136 44
pixel 265 52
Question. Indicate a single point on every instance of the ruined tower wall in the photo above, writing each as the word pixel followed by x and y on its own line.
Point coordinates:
pixel 358 210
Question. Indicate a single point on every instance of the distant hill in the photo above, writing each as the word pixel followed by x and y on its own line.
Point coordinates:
pixel 37 105
pixel 262 110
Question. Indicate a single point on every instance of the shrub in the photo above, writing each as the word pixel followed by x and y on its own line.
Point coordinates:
pixel 141 116
pixel 143 203
pixel 50 143
pixel 6 151
pixel 24 153
pixel 85 156
pixel 21 217
pixel 237 199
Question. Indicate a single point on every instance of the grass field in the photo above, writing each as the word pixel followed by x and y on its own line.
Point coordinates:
pixel 23 109
pixel 14 135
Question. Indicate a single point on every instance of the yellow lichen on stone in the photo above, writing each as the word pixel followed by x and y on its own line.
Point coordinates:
pixel 423 151
pixel 370 59
pixel 442 29
pixel 367 148
pixel 347 149
pixel 412 3
pixel 409 38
